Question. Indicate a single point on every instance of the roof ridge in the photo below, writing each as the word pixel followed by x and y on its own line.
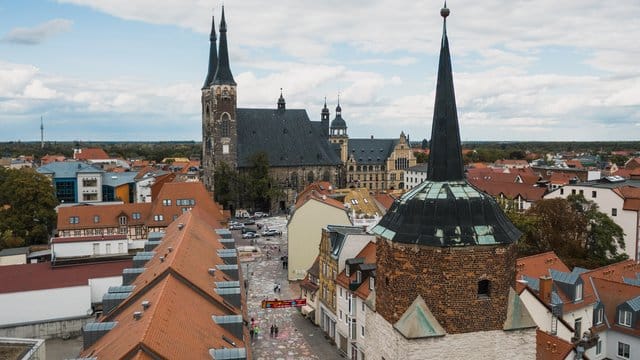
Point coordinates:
pixel 154 309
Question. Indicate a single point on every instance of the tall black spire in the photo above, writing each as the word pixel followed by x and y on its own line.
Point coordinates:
pixel 281 103
pixel 213 57
pixel 223 72
pixel 445 158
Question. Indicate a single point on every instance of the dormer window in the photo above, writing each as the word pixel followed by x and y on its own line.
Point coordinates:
pixel 578 294
pixel 625 317
pixel 122 220
pixel 372 282
pixel 599 316
pixel 358 276
pixel 346 271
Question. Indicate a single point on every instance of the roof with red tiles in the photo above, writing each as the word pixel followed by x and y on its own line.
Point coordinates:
pixel 178 324
pixel 52 158
pixel 559 178
pixel 509 190
pixel 384 199
pixel 511 162
pixel 320 187
pixel 90 154
pixel 170 202
pixel 551 347
pixel 319 197
pixel 41 276
pixel 632 163
pixel 101 216
pixel 538 265
pixel 576 164
pixel 369 255
pixel 159 183
pixel 612 294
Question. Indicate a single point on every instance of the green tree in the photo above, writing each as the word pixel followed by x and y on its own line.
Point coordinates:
pixel 27 204
pixel 225 185
pixel 573 228
pixel 421 157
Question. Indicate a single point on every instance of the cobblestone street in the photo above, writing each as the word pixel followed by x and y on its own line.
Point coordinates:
pixel 297 337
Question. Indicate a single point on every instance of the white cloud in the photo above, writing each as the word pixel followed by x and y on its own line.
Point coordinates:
pixel 39 33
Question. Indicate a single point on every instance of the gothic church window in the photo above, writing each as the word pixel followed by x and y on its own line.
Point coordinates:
pixel 326 176
pixel 226 124
pixel 310 177
pixel 294 180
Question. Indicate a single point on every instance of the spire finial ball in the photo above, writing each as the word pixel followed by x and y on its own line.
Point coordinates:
pixel 444 12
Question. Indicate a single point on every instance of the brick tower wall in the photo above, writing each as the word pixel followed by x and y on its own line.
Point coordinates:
pixel 447 278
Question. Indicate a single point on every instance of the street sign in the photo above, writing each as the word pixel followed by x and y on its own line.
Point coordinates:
pixel 277 304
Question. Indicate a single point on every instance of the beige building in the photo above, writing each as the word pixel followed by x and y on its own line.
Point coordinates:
pixel 312 213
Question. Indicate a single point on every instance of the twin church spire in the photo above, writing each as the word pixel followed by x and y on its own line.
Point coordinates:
pixel 219 71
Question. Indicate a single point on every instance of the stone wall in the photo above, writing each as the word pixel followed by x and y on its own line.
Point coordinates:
pixel 383 342
pixel 447 278
pixel 47 330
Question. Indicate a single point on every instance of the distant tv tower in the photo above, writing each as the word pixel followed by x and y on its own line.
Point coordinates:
pixel 41 133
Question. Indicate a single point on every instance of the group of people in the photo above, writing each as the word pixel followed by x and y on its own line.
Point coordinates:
pixel 276 288
pixel 254 331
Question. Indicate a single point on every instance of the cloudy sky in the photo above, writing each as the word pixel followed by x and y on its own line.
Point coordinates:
pixel 133 69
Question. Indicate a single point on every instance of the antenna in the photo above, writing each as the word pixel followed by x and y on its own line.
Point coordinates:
pixel 41 133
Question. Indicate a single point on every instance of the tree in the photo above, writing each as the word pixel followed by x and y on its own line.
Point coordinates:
pixel 27 204
pixel 421 157
pixel 574 228
pixel 225 185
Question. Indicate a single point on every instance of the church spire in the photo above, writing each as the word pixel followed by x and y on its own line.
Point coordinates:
pixel 445 159
pixel 213 57
pixel 281 103
pixel 223 72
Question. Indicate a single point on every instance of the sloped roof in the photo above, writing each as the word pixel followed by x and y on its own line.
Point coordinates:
pixel 550 347
pixel 368 256
pixel 612 294
pixel 385 199
pixel 287 136
pixel 371 151
pixel 314 196
pixel 90 154
pixel 40 276
pixel 418 322
pixel 178 324
pixel 362 202
pixel 518 317
pixel 15 251
pixel 67 169
pixel 510 190
pixel 538 265
pixel 181 190
pixel 118 179
pixel 320 187
pixel 108 215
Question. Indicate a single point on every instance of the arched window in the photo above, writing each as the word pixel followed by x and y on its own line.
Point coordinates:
pixel 484 287
pixel 350 167
pixel 294 180
pixel 326 176
pixel 225 126
pixel 310 177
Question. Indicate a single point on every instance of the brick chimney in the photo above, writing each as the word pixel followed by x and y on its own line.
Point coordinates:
pixel 546 285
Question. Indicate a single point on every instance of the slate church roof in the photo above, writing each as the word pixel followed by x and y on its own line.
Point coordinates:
pixel 446 210
pixel 287 136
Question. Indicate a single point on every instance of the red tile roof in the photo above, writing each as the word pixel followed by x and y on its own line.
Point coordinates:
pixel 180 289
pixel 313 195
pixel 90 154
pixel 509 190
pixel 369 255
pixel 550 347
pixel 174 191
pixel 108 215
pixel 386 200
pixel 612 294
pixel 40 276
pixel 538 265
pixel 47 159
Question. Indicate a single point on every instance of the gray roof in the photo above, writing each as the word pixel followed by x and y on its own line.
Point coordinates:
pixel 14 251
pixel 631 281
pixel 67 169
pixel 371 151
pixel 564 277
pixel 634 303
pixel 117 179
pixel 288 138
pixel 605 184
pixel 422 167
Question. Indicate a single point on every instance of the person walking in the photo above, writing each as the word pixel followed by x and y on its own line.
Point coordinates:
pixel 275 330
pixel 251 332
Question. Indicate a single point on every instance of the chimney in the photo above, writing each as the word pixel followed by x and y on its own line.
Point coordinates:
pixel 546 285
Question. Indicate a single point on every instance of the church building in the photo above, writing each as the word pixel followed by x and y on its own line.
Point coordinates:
pixel 299 151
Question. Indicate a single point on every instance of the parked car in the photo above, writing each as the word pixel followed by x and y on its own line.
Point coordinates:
pixel 250 235
pixel 249 222
pixel 236 226
pixel 259 214
pixel 271 232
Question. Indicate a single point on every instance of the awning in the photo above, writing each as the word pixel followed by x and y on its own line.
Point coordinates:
pixel 306 310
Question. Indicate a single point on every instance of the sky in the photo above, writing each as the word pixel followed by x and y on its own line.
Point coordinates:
pixel 132 70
